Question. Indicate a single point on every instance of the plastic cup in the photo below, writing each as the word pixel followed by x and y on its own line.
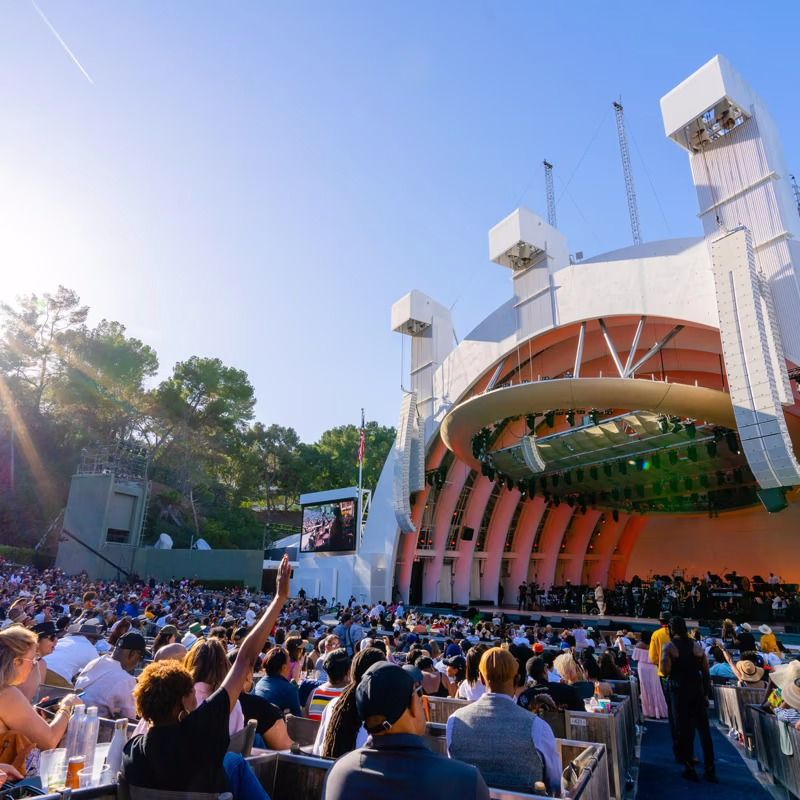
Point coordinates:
pixel 53 768
pixel 89 776
pixel 100 753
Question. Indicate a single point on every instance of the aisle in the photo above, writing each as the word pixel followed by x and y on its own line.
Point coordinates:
pixel 660 777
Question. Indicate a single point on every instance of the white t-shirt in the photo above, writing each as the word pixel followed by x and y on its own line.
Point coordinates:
pixel 70 656
pixel 467 691
pixel 361 736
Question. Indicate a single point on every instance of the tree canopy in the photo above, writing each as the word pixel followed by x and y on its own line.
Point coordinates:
pixel 65 386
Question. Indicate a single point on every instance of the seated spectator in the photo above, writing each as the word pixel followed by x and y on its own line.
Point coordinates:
pixel 108 682
pixel 564 695
pixel 337 668
pixel 744 638
pixel 340 730
pixel 589 663
pixel 787 679
pixel 769 642
pixel 186 746
pixel 609 671
pixel 71 654
pixel 472 687
pixel 167 635
pixel 46 633
pixel 721 668
pixel 208 665
pixel 171 652
pixel 275 686
pixel 395 762
pixel 17 659
pixel 434 682
pixel 505 742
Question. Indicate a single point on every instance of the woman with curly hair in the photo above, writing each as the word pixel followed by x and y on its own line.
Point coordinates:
pixel 340 729
pixel 186 746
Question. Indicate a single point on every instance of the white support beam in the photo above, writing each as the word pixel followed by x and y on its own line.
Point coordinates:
pixel 659 345
pixel 611 348
pixel 632 353
pixel 576 373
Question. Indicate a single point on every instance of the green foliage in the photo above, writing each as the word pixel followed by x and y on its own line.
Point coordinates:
pixel 18 555
pixel 65 386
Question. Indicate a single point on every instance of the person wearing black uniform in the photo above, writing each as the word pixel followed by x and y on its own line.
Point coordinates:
pixel 684 662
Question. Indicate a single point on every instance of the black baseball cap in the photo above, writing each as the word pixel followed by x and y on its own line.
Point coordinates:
pixel 664 616
pixel 44 629
pixel 384 691
pixel 457 662
pixel 132 641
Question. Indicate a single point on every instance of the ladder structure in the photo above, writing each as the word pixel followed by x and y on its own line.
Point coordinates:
pixel 796 190
pixel 627 170
pixel 550 193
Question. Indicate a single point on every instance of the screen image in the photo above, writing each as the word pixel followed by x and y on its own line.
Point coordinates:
pixel 329 527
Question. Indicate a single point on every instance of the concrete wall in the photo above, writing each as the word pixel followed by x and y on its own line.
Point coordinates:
pixel 234 565
pixel 753 543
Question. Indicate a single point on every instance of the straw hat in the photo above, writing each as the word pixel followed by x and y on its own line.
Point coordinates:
pixel 787 679
pixel 748 672
pixel 765 629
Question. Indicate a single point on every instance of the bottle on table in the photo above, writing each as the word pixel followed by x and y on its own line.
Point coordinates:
pixel 114 757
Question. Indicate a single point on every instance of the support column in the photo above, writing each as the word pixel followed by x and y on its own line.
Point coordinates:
pixel 496 539
pixel 523 543
pixel 580 536
pixel 619 564
pixel 552 535
pixel 408 544
pixel 598 572
pixel 466 549
pixel 445 506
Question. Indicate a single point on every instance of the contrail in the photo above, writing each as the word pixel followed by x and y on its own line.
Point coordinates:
pixel 62 42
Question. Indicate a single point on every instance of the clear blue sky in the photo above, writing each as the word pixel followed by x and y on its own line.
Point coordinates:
pixel 260 181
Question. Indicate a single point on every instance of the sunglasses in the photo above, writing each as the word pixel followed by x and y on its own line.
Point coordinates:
pixel 419 691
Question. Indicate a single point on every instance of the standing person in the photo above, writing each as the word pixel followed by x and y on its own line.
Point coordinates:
pixel 395 763
pixel 522 596
pixel 658 641
pixel 349 634
pixel 600 599
pixel 684 663
pixel 654 704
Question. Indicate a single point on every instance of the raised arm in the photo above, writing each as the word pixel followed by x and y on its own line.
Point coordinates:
pixel 252 644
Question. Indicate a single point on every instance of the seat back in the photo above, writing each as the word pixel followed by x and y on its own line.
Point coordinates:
pixel 127 792
pixel 242 741
pixel 299 777
pixel 302 730
pixel 440 708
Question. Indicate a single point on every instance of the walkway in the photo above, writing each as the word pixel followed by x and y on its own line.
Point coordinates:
pixel 660 777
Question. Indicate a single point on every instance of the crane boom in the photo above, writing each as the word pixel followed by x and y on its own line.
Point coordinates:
pixel 550 192
pixel 796 190
pixel 627 170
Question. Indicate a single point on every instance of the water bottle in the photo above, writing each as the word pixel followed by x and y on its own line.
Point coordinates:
pixel 91 728
pixel 75 731
pixel 114 757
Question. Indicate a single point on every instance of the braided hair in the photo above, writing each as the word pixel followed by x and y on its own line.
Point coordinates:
pixel 340 738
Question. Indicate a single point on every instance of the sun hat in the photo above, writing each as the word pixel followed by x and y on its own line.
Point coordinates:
pixel 787 679
pixel 384 693
pixel 748 672
pixel 745 626
pixel 765 629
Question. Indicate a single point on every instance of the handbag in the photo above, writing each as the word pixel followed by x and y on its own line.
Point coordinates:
pixel 15 748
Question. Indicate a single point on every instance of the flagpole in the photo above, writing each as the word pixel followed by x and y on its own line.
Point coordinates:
pixel 362 433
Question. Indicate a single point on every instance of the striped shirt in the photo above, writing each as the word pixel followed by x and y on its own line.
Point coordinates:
pixel 320 697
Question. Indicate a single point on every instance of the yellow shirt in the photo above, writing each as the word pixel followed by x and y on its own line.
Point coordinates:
pixel 660 639
pixel 769 644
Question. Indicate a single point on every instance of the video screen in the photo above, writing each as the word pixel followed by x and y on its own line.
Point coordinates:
pixel 329 527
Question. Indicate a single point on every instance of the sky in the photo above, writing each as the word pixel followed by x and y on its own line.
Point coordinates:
pixel 260 181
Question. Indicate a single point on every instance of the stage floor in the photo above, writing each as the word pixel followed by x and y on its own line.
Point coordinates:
pixel 633 623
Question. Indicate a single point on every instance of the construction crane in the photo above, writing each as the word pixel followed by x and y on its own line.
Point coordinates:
pixel 627 170
pixel 550 192
pixel 795 189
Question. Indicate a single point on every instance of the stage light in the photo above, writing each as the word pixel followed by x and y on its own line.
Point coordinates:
pixel 571 417
pixel 711 449
pixel 704 480
pixel 691 429
pixel 691 451
pixel 673 484
pixel 639 464
pixel 550 419
pixel 593 473
pixel 673 457
pixel 594 416
pixel 531 487
pixel 509 482
pixel 656 460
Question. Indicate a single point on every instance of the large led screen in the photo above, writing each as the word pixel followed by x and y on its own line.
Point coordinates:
pixel 329 527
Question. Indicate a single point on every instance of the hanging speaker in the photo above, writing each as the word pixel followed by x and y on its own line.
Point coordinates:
pixel 467 534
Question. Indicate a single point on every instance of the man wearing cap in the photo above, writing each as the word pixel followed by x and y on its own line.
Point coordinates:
pixel 72 654
pixel 503 740
pixel 108 683
pixel 395 763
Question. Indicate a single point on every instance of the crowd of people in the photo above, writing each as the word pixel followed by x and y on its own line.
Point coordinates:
pixel 190 667
pixel 711 597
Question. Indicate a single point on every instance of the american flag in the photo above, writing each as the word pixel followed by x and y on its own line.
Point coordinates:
pixel 362 441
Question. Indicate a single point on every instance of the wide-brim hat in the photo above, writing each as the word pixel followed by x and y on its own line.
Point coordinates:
pixel 787 679
pixel 749 672
pixel 88 630
pixel 746 627
pixel 765 629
